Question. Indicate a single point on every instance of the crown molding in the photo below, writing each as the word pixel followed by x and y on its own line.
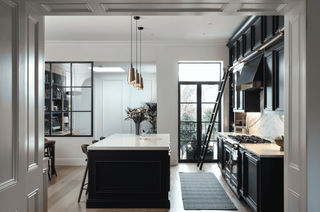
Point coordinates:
pixel 127 43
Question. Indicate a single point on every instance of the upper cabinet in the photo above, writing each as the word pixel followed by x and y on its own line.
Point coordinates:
pixel 256 32
pixel 279 79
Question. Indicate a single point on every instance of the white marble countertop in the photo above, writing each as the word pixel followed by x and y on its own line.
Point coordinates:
pixel 261 150
pixel 133 142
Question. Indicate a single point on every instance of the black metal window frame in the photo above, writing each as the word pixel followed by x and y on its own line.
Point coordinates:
pixel 199 109
pixel 71 87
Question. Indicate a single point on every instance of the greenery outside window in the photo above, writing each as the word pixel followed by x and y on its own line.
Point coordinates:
pixel 68 99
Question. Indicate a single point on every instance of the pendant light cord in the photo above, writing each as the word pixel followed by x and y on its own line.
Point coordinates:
pixel 131 41
pixel 140 54
pixel 137 46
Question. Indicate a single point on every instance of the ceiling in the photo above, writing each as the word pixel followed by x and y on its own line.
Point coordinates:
pixel 163 20
pixel 146 67
pixel 156 28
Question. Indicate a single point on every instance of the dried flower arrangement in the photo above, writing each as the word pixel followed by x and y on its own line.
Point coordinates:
pixel 138 115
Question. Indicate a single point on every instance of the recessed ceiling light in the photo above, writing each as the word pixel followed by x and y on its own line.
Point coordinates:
pixel 204 33
pixel 107 69
pixel 210 23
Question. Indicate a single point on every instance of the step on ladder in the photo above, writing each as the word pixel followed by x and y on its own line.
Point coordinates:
pixel 213 117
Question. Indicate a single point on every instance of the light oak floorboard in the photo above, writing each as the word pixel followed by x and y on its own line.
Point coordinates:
pixel 64 189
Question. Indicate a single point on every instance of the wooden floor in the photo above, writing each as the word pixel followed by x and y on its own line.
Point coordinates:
pixel 64 189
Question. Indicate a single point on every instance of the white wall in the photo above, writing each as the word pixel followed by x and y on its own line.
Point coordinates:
pixel 113 95
pixel 166 56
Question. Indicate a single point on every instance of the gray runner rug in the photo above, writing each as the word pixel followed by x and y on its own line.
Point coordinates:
pixel 203 191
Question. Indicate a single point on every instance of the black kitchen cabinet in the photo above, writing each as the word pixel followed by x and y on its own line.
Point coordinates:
pixel 243 173
pixel 259 180
pixel 245 101
pixel 233 54
pixel 252 180
pixel 273 74
pixel 279 22
pixel 263 183
pixel 268 81
pixel 240 52
pixel 257 33
pixel 220 153
pixel 248 42
pixel 238 94
pixel 279 80
pixel 268 28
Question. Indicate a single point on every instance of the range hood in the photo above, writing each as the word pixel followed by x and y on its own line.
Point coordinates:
pixel 251 75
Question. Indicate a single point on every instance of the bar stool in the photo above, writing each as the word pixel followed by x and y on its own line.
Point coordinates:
pixel 49 147
pixel 85 151
pixel 102 137
pixel 95 141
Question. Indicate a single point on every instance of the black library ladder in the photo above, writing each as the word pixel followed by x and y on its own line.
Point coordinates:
pixel 213 117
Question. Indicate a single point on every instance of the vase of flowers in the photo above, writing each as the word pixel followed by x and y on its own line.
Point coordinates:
pixel 138 115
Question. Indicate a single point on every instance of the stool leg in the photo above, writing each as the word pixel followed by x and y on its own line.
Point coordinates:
pixel 49 170
pixel 83 180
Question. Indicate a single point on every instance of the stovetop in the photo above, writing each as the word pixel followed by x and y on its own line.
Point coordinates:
pixel 248 139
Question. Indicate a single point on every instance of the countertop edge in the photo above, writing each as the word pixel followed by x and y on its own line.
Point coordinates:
pixel 128 148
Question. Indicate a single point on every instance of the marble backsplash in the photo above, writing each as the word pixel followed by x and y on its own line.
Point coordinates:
pixel 265 125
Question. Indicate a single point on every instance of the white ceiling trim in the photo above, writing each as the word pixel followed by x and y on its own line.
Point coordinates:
pixel 157 43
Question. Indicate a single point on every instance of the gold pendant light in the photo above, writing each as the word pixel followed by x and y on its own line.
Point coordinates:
pixel 137 76
pixel 131 74
pixel 141 78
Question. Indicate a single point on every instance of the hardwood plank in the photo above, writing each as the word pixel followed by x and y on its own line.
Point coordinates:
pixel 64 190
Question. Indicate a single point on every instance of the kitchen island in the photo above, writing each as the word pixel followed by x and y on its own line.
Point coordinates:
pixel 126 171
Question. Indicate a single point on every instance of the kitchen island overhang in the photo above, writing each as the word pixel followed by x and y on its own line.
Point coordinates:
pixel 128 172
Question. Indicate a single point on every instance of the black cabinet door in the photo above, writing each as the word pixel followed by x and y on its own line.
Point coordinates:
pixel 252 181
pixel 240 48
pixel 243 173
pixel 268 81
pixel 235 52
pixel 239 96
pixel 279 23
pixel 235 97
pixel 257 34
pixel 279 80
pixel 226 158
pixel 247 42
pixel 268 28
pixel 220 153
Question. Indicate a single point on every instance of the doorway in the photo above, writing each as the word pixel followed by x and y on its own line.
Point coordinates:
pixel 198 91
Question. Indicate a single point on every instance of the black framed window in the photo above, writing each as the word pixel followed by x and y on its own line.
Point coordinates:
pixel 68 99
pixel 197 96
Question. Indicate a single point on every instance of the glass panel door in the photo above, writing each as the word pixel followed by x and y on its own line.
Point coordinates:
pixel 209 94
pixel 188 121
pixel 197 101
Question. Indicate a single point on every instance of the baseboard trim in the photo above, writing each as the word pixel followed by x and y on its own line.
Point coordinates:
pixel 70 161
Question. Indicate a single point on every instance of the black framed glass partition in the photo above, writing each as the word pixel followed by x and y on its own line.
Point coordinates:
pixel 198 89
pixel 68 99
